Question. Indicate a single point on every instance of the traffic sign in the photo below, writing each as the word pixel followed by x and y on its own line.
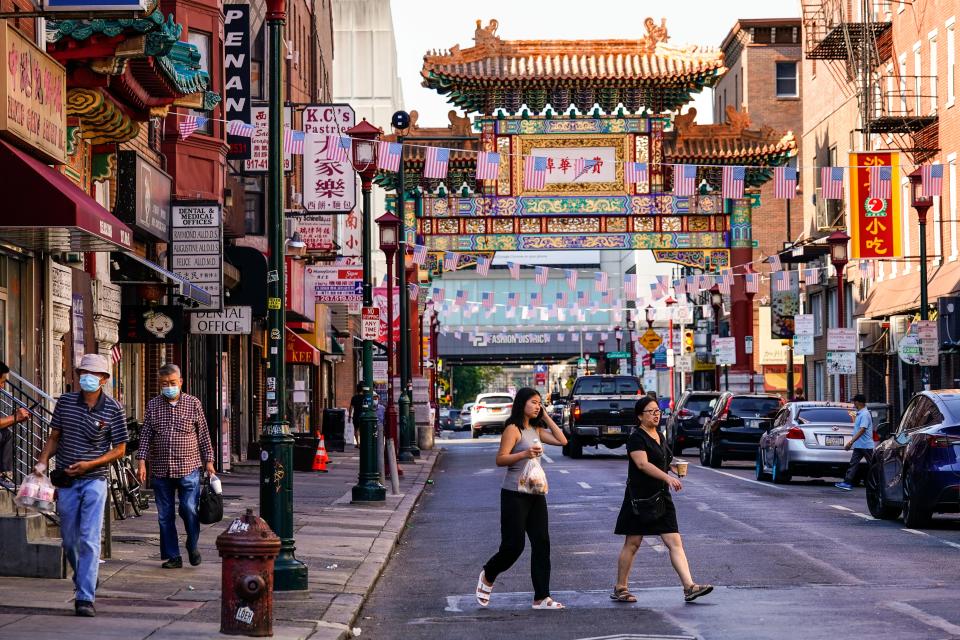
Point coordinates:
pixel 370 323
pixel 651 340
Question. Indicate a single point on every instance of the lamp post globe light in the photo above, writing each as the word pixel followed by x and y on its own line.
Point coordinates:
pixel 838 256
pixel 922 203
pixel 389 226
pixel 602 358
pixel 368 487
pixel 276 443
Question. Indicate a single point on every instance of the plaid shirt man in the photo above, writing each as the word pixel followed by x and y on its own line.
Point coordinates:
pixel 175 437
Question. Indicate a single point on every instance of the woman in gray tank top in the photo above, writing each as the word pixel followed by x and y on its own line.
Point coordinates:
pixel 523 513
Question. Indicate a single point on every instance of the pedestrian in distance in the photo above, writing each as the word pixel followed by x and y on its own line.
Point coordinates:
pixel 861 442
pixel 88 431
pixel 175 441
pixel 19 415
pixel 523 513
pixel 647 506
pixel 798 396
pixel 356 407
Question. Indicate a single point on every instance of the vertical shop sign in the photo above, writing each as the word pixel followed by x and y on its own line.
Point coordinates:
pixel 329 186
pixel 78 328
pixel 875 226
pixel 236 65
pixel 259 161
pixel 196 248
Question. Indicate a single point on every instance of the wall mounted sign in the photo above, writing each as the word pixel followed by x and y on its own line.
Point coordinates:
pixel 317 232
pixel 332 284
pixel 196 247
pixel 259 161
pixel 230 321
pixel 875 223
pixel 236 66
pixel 329 186
pixel 841 339
pixel 151 324
pixel 143 195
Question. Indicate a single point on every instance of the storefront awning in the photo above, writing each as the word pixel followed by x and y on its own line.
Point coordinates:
pixel 299 351
pixel 44 211
pixel 892 296
pixel 132 269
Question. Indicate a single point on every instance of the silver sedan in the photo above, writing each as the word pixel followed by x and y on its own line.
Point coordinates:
pixel 806 439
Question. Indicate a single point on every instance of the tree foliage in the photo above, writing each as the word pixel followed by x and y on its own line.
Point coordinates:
pixel 468 381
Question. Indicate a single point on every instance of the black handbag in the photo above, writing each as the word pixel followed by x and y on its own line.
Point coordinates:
pixel 60 479
pixel 210 509
pixel 647 509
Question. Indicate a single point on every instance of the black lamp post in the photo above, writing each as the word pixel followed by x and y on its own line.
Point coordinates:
pixel 368 487
pixel 838 255
pixel 631 325
pixel 601 358
pixel 389 225
pixel 651 315
pixel 716 301
pixel 922 203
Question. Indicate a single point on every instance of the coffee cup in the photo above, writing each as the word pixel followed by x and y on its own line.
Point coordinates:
pixel 681 467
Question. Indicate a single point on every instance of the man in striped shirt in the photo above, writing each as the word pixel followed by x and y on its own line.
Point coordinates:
pixel 88 432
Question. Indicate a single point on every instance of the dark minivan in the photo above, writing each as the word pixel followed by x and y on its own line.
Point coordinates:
pixel 734 428
pixel 685 426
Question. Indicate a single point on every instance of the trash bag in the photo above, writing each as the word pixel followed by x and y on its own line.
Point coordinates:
pixel 210 509
pixel 533 479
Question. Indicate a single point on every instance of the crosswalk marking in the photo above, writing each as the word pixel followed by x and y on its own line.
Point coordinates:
pixel 584 485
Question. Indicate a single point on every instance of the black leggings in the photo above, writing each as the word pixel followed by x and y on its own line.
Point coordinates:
pixel 523 513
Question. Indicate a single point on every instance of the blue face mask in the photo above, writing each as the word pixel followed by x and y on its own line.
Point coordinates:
pixel 89 382
pixel 170 392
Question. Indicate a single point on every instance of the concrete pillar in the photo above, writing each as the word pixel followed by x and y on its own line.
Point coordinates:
pixel 60 294
pixel 106 319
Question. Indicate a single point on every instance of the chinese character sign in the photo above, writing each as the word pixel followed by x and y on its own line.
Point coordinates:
pixel 329 186
pixel 568 165
pixel 259 161
pixel 874 222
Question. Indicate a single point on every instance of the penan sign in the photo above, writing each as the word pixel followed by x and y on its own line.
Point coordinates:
pixel 33 96
pixel 236 66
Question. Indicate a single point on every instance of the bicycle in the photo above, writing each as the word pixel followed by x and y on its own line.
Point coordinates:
pixel 125 487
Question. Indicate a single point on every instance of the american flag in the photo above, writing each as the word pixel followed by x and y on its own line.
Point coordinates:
pixel 680 286
pixel 483 265
pixel 534 172
pixel 881 182
pixel 831 183
pixel 293 142
pixel 419 254
pixel 437 162
pixel 785 183
pixel 536 299
pixel 931 176
pixel 461 298
pixel 660 288
pixel 561 337
pixel 437 295
pixel 684 179
pixel 581 166
pixel 581 297
pixel 240 129
pixel 511 312
pixel 488 165
pixel 635 173
pixel 724 286
pixel 450 260
pixel 512 299
pixel 388 155
pixel 601 282
pixel 752 282
pixel 116 354
pixel 487 299
pixel 540 275
pixel 571 277
pixel 630 286
pixel 561 298
pixel 338 148
pixel 190 124
pixel 732 184
pixel 782 281
pixel 774 261
pixel 514 270
pixel 811 276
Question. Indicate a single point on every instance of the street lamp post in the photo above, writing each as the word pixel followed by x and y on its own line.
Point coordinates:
pixel 276 443
pixel 631 347
pixel 389 226
pixel 716 301
pixel 838 255
pixel 671 356
pixel 368 487
pixel 601 359
pixel 922 203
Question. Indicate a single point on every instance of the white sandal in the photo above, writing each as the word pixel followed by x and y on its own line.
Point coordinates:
pixel 483 591
pixel 548 603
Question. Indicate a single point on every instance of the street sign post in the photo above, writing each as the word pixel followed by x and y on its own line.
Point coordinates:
pixel 370 323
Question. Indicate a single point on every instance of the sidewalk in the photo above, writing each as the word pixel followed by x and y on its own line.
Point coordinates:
pixel 345 547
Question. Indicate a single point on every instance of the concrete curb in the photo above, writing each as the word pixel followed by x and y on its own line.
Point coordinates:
pixel 344 610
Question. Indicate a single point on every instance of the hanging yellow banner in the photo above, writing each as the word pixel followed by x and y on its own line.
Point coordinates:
pixel 875 223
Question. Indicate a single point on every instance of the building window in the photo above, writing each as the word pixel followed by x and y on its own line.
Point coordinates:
pixel 917 78
pixel 816 310
pixel 203 42
pixel 832 308
pixel 787 80
pixel 932 46
pixel 952 185
pixel 818 377
pixel 253 214
pixel 951 64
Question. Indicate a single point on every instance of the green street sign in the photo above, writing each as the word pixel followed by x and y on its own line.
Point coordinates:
pixel 582 361
pixel 618 355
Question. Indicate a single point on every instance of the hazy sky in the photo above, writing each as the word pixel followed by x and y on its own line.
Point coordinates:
pixel 439 24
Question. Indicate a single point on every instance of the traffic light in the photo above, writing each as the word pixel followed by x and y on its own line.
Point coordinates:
pixel 688 340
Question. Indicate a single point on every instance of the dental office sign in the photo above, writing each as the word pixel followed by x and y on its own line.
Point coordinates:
pixel 196 248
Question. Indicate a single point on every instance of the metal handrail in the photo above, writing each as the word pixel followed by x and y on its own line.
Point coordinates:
pixel 30 435
pixel 23 382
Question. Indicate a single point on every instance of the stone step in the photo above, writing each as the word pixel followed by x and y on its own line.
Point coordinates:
pixel 27 550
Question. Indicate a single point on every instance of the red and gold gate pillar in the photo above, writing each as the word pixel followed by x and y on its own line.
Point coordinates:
pixel 741 308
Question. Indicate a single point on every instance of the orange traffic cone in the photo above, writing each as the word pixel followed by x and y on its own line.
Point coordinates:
pixel 320 459
pixel 323 449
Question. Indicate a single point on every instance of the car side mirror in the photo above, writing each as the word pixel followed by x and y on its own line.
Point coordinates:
pixel 884 430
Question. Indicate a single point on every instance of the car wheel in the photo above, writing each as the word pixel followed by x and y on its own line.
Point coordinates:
pixel 476 434
pixel 875 502
pixel 565 449
pixel 913 515
pixel 714 457
pixel 777 474
pixel 759 473
pixel 704 449
pixel 575 446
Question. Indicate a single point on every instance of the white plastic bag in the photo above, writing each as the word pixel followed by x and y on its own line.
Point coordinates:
pixel 29 489
pixel 36 492
pixel 533 479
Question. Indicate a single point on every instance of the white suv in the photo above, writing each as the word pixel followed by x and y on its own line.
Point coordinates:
pixel 489 413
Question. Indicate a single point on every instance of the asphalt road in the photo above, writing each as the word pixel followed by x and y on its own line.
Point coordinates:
pixel 799 561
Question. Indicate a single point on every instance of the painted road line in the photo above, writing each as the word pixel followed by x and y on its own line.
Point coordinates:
pixel 483 472
pixel 453 604
pixel 916 533
pixel 927 535
pixel 863 516
pixel 926 618
pixel 730 475
pixel 584 485
pixel 563 471
pixel 840 507
pixel 547 458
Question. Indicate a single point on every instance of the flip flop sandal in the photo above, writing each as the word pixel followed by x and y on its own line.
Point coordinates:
pixel 483 592
pixel 548 603
pixel 621 594
pixel 695 591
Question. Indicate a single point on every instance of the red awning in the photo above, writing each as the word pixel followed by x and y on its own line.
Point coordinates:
pixel 44 211
pixel 299 351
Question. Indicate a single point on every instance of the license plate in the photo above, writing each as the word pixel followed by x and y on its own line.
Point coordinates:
pixel 833 441
pixel 499 410
pixel 614 430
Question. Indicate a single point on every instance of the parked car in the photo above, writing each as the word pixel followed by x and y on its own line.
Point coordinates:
pixel 806 439
pixel 555 408
pixel 685 427
pixel 733 430
pixel 465 416
pixel 916 471
pixel 489 413
pixel 600 411
pixel 450 420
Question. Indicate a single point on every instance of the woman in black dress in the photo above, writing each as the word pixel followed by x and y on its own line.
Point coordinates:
pixel 647 476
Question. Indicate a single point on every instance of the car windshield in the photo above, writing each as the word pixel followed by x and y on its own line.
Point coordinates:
pixel 747 407
pixel 607 386
pixel 496 400
pixel 831 415
pixel 454 413
pixel 696 404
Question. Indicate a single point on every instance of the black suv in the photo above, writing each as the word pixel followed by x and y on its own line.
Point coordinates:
pixel 734 428
pixel 685 426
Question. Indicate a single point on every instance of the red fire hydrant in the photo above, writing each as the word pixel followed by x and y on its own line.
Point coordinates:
pixel 248 548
